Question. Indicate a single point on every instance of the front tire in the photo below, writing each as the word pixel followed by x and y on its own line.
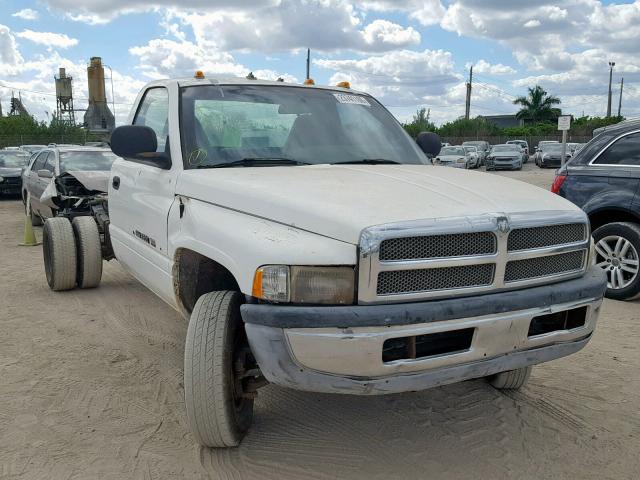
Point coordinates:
pixel 218 414
pixel 89 252
pixel 511 380
pixel 59 249
pixel 36 220
pixel 618 254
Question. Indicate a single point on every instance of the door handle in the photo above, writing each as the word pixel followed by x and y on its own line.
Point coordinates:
pixel 115 182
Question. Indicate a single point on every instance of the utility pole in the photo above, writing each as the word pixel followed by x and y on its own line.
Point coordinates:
pixel 467 107
pixel 611 65
pixel 620 101
pixel 308 59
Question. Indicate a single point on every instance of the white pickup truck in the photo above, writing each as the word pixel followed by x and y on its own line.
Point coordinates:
pixel 311 244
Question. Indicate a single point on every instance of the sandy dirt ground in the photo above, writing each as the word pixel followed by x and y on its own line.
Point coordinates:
pixel 91 388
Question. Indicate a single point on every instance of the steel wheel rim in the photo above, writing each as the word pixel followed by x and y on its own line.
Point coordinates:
pixel 619 259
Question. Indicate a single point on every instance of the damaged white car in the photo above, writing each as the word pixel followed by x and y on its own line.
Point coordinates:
pixel 62 178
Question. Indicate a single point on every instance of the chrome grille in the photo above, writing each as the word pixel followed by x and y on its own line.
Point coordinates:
pixel 537 267
pixel 430 279
pixel 546 236
pixel 438 246
pixel 426 259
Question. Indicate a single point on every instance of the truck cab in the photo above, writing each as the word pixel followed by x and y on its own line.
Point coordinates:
pixel 310 243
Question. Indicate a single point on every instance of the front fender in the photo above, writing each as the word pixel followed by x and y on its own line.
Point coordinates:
pixel 242 243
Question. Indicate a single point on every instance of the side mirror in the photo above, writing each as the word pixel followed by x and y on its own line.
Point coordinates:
pixel 45 174
pixel 429 143
pixel 138 143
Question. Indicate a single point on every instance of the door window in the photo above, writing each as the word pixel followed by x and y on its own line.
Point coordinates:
pixel 39 162
pixel 50 163
pixel 153 113
pixel 625 151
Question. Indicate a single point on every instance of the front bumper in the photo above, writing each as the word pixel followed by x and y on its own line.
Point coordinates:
pixel 503 164
pixel 339 349
pixel 11 185
pixel 550 162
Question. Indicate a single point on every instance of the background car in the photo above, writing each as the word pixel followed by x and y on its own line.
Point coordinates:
pixel 32 148
pixel 90 166
pixel 550 155
pixel 455 156
pixel 12 163
pixel 482 146
pixel 603 179
pixel 539 147
pixel 472 153
pixel 525 147
pixel 505 156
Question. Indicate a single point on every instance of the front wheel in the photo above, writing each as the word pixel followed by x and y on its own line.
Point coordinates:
pixel 617 248
pixel 219 411
pixel 511 380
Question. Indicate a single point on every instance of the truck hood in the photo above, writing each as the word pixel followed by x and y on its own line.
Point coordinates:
pixel 339 201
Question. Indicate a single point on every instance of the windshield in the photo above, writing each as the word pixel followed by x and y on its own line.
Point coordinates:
pixel 479 145
pixel 86 161
pixel 230 123
pixel 506 148
pixel 452 151
pixel 13 160
pixel 552 147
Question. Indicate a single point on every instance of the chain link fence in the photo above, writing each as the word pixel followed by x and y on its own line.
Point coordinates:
pixel 77 138
pixel 532 140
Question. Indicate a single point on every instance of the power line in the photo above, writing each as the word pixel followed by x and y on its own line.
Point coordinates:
pixel 9 87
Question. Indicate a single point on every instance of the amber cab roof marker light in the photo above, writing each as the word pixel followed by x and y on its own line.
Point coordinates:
pixel 199 74
pixel 344 84
pixel 309 81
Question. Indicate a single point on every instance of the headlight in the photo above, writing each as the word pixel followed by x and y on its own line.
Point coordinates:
pixel 461 160
pixel 303 284
pixel 1 179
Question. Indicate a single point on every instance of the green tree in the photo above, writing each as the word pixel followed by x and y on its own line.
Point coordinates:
pixel 420 123
pixel 538 105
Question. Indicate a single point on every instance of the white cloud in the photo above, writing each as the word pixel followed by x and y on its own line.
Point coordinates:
pixel 482 66
pixel 402 79
pixel 26 14
pixel 163 58
pixel 59 40
pixel 10 58
pixel 532 24
pixel 386 32
pixel 426 12
pixel 322 25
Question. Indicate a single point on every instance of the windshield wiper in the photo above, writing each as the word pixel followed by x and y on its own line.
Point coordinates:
pixel 369 161
pixel 256 162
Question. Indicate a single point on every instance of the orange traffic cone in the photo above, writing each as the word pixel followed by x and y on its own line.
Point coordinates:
pixel 30 239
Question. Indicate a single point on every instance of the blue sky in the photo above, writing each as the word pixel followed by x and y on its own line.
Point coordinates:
pixel 408 53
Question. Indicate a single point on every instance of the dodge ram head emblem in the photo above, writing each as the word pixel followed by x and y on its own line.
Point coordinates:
pixel 503 224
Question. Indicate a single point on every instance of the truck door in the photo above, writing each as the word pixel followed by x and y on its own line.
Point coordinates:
pixel 140 197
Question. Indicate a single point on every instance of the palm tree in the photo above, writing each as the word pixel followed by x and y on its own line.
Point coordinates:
pixel 537 106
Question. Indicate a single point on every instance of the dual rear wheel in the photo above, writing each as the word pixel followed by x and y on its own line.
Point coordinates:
pixel 72 253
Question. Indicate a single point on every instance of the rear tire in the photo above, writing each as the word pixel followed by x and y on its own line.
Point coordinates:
pixel 622 267
pixel 218 416
pixel 59 248
pixel 89 252
pixel 510 380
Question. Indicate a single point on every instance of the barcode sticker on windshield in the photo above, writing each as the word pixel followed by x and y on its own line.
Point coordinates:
pixel 351 99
